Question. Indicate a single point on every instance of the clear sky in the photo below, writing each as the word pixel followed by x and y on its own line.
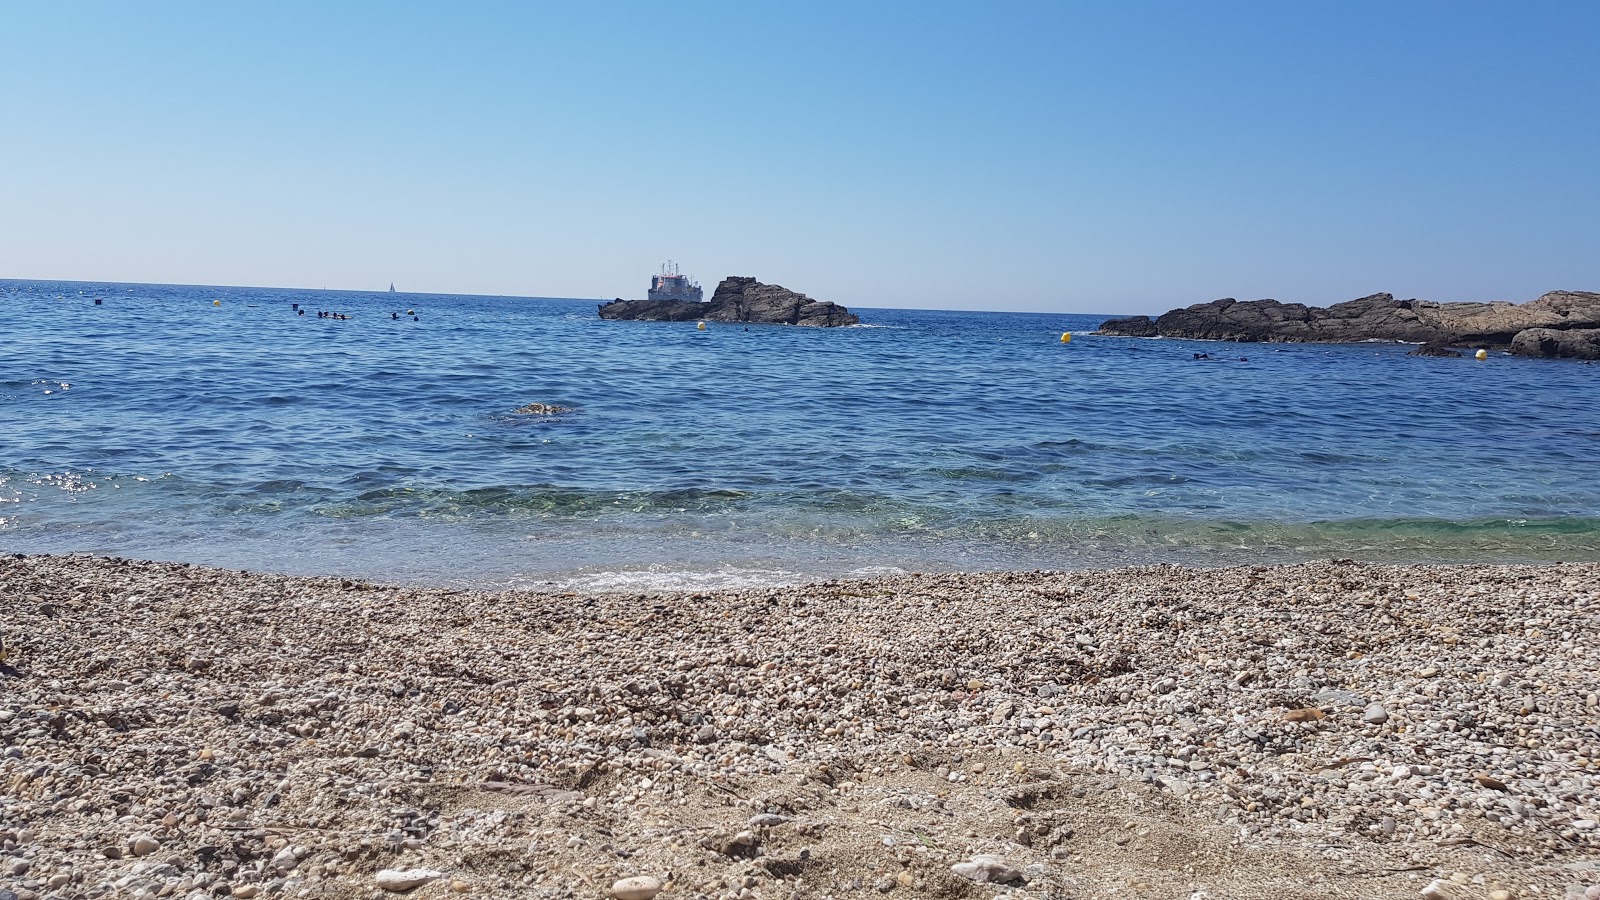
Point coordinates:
pixel 1113 157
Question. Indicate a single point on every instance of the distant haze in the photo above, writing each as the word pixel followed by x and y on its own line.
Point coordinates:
pixel 1059 157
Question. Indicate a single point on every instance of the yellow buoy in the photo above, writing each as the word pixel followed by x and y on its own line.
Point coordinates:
pixel 701 326
pixel 1066 337
pixel 1481 354
pixel 216 303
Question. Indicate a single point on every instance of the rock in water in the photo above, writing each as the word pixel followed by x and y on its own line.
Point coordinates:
pixel 1576 343
pixel 639 887
pixel 1435 348
pixel 1563 323
pixel 987 869
pixel 1132 326
pixel 405 879
pixel 737 299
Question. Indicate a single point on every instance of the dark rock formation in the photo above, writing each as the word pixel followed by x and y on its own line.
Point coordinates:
pixel 1379 317
pixel 737 299
pixel 1132 326
pixel 1434 348
pixel 1574 343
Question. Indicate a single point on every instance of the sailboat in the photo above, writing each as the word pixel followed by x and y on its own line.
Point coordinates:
pixel 391 287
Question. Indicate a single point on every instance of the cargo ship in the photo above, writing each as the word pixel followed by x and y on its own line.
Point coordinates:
pixel 669 285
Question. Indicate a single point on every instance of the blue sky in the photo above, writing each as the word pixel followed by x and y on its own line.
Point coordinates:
pixel 1067 157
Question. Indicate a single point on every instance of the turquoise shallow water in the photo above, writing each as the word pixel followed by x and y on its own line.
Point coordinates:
pixel 160 425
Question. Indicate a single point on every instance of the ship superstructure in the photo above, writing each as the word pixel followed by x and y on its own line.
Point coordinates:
pixel 669 285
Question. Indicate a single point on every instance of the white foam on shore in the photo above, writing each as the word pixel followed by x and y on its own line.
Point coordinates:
pixel 666 578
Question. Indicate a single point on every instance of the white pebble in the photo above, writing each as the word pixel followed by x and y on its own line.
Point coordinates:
pixel 639 887
pixel 405 879
pixel 987 869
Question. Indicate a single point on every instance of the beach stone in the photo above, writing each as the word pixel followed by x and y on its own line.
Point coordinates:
pixel 1439 889
pixel 405 879
pixel 638 887
pixel 1338 697
pixel 144 845
pixel 1375 714
pixel 245 891
pixel 987 870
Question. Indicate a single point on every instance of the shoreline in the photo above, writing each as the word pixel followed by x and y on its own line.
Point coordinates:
pixel 1147 732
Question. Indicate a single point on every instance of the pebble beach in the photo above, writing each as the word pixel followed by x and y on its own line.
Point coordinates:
pixel 1324 730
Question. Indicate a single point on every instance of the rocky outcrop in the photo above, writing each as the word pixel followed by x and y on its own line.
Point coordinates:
pixel 1379 317
pixel 737 299
pixel 1133 326
pixel 1575 343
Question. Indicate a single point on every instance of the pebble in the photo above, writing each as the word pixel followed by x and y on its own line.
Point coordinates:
pixel 637 887
pixel 355 727
pixel 1375 714
pixel 144 845
pixel 405 879
pixel 987 869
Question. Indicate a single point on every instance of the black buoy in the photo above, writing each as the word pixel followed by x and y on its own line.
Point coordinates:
pixel 97 301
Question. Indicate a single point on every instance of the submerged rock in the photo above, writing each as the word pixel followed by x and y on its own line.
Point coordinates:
pixel 542 409
pixel 1435 348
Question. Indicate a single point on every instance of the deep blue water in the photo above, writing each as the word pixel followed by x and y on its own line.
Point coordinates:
pixel 160 425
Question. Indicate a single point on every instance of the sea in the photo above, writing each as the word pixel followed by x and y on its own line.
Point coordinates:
pixel 220 426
